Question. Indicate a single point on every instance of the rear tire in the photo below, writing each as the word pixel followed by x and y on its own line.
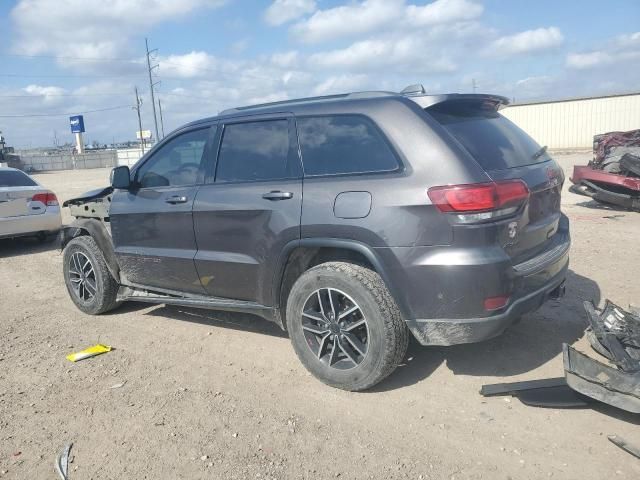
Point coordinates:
pixel 89 283
pixel 351 351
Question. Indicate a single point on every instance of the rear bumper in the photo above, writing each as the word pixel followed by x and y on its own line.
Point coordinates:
pixel 441 290
pixel 455 331
pixel 49 222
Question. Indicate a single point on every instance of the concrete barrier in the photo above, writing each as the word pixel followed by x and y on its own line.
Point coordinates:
pixel 67 161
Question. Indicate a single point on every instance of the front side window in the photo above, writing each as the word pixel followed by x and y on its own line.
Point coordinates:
pixel 256 151
pixel 178 162
pixel 343 144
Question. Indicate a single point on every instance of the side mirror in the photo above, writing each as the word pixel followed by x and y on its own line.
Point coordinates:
pixel 121 177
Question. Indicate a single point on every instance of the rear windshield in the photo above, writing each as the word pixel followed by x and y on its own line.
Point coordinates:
pixel 494 141
pixel 11 178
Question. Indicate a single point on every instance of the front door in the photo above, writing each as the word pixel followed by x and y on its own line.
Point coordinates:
pixel 152 223
pixel 244 217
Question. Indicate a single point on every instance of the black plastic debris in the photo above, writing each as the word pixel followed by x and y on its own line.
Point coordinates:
pixel 615 334
pixel 624 445
pixel 546 393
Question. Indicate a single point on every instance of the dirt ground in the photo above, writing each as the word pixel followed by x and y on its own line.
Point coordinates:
pixel 197 394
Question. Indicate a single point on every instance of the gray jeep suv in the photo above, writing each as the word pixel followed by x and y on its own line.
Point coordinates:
pixel 349 220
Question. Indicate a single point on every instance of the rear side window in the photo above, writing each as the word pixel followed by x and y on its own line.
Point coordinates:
pixel 257 151
pixel 492 140
pixel 343 144
pixel 10 178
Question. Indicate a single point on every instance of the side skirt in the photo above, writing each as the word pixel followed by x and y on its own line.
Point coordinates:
pixel 140 293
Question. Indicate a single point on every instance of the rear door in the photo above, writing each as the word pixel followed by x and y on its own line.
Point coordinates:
pixel 152 223
pixel 249 209
pixel 506 152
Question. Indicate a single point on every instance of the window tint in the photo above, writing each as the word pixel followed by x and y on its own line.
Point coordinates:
pixel 256 151
pixel 11 178
pixel 343 144
pixel 494 141
pixel 177 162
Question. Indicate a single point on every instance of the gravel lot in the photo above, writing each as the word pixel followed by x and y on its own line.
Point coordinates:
pixel 199 394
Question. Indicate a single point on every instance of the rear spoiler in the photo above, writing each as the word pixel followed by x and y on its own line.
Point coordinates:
pixel 426 101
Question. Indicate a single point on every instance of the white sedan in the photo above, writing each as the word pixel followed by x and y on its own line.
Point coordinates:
pixel 26 207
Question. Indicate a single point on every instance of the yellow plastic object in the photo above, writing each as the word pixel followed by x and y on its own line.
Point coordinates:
pixel 88 352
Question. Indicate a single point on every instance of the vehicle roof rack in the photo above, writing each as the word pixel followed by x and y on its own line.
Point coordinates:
pixel 298 101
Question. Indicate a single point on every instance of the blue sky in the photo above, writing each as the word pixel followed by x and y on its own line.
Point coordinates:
pixel 75 56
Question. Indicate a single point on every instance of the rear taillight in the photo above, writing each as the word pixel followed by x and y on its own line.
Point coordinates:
pixel 480 201
pixel 48 198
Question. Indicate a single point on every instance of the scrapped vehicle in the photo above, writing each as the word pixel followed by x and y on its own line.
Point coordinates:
pixel 350 220
pixel 613 176
pixel 26 207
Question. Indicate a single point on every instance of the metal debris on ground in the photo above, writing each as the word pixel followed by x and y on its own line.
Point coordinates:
pixel 88 352
pixel 613 176
pixel 62 462
pixel 615 334
pixel 624 445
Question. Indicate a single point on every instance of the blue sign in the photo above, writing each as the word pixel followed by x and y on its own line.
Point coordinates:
pixel 77 123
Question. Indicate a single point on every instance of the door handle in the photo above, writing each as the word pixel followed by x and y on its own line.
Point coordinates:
pixel 277 195
pixel 176 199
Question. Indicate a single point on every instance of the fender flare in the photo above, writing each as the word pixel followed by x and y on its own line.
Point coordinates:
pixel 96 230
pixel 347 244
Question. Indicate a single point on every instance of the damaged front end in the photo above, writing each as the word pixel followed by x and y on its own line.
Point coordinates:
pixel 613 176
pixel 615 334
pixel 93 204
pixel 91 212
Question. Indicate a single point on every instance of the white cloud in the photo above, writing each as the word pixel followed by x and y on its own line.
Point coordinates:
pixel 285 59
pixel 407 51
pixel 443 11
pixel 283 11
pixel 623 48
pixel 342 83
pixel 588 60
pixel 370 16
pixel 43 91
pixel 529 41
pixel 348 20
pixel 82 28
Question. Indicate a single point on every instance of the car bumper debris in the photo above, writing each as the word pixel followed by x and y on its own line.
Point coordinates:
pixel 614 333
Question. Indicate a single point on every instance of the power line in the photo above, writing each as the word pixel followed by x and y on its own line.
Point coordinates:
pixel 29 115
pixel 65 95
pixel 27 75
pixel 56 57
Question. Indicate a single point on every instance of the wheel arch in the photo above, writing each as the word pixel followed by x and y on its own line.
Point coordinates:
pixel 300 255
pixel 96 230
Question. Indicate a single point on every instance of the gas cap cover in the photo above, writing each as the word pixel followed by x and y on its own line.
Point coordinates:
pixel 352 205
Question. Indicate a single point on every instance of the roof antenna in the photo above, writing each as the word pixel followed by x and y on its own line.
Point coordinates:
pixel 415 89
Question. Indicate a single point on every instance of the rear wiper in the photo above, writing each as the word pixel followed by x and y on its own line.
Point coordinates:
pixel 539 153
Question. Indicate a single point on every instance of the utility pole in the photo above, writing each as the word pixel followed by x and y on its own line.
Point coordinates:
pixel 137 108
pixel 151 85
pixel 161 119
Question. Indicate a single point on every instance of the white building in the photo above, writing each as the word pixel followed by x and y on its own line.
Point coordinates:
pixel 572 123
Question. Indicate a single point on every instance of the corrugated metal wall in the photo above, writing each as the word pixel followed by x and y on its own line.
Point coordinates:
pixel 573 123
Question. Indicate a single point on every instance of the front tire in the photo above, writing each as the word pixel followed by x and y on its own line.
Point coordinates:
pixel 345 326
pixel 89 283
